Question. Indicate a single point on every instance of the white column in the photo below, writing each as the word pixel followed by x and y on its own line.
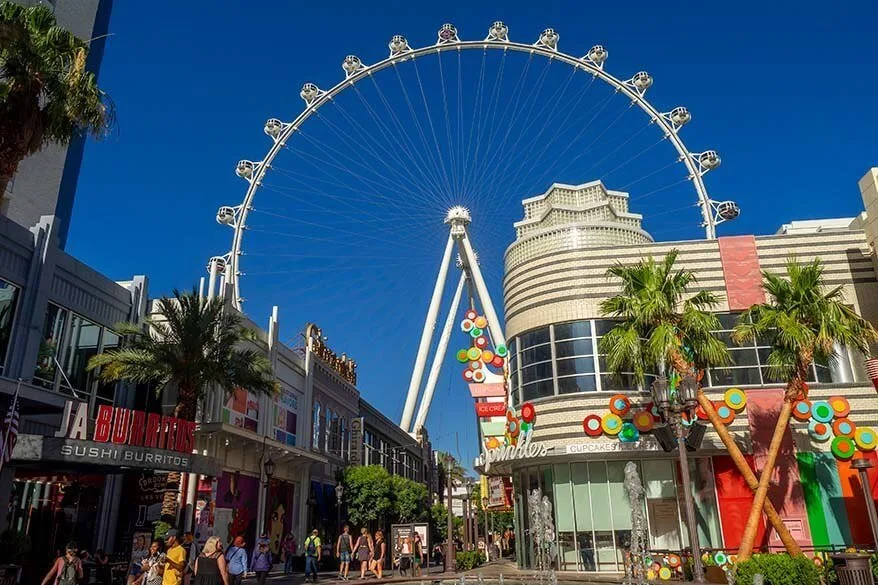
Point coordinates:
pixel 426 338
pixel 482 290
pixel 211 282
pixel 433 377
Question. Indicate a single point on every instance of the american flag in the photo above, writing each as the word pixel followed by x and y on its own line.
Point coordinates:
pixel 10 430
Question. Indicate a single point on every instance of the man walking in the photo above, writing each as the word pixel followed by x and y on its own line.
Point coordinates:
pixel 343 550
pixel 236 558
pixel 175 559
pixel 313 553
pixel 192 552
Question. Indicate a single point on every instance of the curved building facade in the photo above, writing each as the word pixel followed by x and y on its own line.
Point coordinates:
pixel 555 278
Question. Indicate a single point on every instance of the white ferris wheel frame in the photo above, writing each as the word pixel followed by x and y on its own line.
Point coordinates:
pixel 713 212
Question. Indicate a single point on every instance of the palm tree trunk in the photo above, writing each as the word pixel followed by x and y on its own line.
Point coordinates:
pixel 187 403
pixel 734 451
pixel 760 499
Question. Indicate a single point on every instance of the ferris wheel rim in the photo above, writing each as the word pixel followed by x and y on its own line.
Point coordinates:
pixel 689 158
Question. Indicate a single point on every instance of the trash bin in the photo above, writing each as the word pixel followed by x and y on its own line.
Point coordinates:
pixel 853 569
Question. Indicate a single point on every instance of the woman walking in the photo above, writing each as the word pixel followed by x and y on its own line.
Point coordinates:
pixel 379 552
pixel 66 570
pixel 210 566
pixel 364 551
pixel 153 566
pixel 261 561
pixel 236 558
pixel 290 547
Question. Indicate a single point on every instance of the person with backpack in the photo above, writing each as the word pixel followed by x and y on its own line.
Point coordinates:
pixel 344 548
pixel 66 570
pixel 261 561
pixel 313 553
pixel 236 558
pixel 364 551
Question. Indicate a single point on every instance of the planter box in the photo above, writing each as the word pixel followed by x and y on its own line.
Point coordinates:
pixel 715 574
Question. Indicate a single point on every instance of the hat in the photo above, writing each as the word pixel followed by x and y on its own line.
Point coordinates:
pixel 172 532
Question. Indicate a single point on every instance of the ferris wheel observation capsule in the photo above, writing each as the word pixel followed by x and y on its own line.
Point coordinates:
pixel 244 169
pixel 549 38
pixel 309 93
pixel 597 55
pixel 225 215
pixel 642 81
pixel 728 210
pixel 398 44
pixel 709 160
pixel 351 65
pixel 498 32
pixel 273 127
pixel 680 116
pixel 448 34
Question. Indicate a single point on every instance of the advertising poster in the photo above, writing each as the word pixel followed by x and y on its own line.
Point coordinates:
pixel 403 545
pixel 242 410
pixel 285 417
pixel 140 547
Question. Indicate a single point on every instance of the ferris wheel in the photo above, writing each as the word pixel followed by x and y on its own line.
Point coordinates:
pixel 361 178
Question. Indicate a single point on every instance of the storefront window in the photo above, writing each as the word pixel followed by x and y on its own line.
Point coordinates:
pixel 53 333
pixel 8 304
pixel 315 436
pixel 82 343
pixel 106 392
pixel 661 504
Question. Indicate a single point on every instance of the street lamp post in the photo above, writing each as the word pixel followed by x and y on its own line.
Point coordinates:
pixel 467 527
pixel 339 492
pixel 450 558
pixel 487 545
pixel 672 407
pixel 862 465
pixel 268 469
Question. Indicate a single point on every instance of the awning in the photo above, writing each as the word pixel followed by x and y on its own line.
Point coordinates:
pixel 280 452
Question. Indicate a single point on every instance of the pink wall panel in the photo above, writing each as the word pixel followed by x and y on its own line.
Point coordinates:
pixel 741 271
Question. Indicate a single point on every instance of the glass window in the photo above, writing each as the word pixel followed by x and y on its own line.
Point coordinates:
pixel 535 337
pixel 743 357
pixel 536 372
pixel 344 438
pixel 603 326
pixel 580 365
pixel 573 348
pixel 106 393
pixel 537 390
pixel 53 333
pixel 706 512
pixel 315 438
pixel 8 304
pixel 576 384
pixel 327 434
pixel 661 504
pixel 572 330
pixel 537 354
pixel 734 376
pixel 82 344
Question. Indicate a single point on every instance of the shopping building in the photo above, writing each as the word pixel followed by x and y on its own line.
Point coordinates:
pixel 555 279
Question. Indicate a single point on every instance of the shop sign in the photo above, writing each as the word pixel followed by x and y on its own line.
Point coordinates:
pixel 356 441
pixel 496 390
pixel 124 426
pixel 489 409
pixel 523 450
pixel 610 447
pixel 497 492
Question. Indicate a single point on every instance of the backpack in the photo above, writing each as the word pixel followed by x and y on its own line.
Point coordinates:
pixel 311 547
pixel 68 574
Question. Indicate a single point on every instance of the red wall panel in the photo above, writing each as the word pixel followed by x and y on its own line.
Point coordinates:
pixel 741 271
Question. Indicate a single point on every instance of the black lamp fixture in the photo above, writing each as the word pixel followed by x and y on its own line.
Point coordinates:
pixel 661 393
pixel 268 467
pixel 339 492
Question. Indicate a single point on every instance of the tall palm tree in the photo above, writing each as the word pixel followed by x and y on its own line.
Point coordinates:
pixel 802 320
pixel 46 95
pixel 662 324
pixel 192 344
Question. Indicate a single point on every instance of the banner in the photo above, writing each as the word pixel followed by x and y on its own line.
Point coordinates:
pixel 356 457
pixel 490 409
pixel 488 390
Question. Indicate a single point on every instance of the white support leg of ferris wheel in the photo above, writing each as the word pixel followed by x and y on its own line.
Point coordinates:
pixel 426 339
pixel 436 367
pixel 494 326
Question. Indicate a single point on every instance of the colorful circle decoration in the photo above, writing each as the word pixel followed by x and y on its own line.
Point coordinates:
pixel 843 448
pixel 651 573
pixel 528 412
pixel 471 315
pixel 819 431
pixel 840 406
pixel 475 332
pixel 592 425
pixel 844 428
pixel 497 362
pixel 733 559
pixel 821 411
pixel 479 376
pixel 720 558
pixel 462 356
pixel 513 428
pixel 466 325
pixel 865 438
pixel 674 561
pixel 468 375
pixel 664 574
pixel 735 399
pixel 525 427
pixel 725 413
pixel 501 351
pixel 492 443
pixel 487 356
pixel 802 410
pixel 699 413
pixel 629 433
pixel 818 561
pixel 473 353
pixel 643 420
pixel 480 322
pixel 481 342
pixel 611 423
pixel 619 404
pixel 476 365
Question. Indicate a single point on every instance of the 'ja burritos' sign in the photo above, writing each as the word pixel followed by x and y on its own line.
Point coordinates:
pixel 523 450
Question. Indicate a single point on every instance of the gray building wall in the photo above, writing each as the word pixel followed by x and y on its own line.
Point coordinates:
pixel 46 181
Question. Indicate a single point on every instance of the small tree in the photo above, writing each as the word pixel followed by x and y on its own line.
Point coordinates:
pixel 46 95
pixel 368 494
pixel 802 320
pixel 410 500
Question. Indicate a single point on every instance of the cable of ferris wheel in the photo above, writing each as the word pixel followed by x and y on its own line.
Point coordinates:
pixel 482 121
pixel 432 128
pixel 451 160
pixel 648 175
pixel 621 145
pixel 640 153
pixel 660 189
pixel 477 103
pixel 460 113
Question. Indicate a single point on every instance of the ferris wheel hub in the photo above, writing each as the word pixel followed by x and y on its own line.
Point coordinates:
pixel 458 215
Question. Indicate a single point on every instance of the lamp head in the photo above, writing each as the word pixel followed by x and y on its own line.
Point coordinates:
pixel 661 393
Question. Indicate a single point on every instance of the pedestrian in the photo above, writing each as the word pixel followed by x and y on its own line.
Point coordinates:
pixel 343 550
pixel 417 555
pixel 364 551
pixel 379 553
pixel 289 548
pixel 191 548
pixel 138 554
pixel 236 558
pixel 313 552
pixel 261 561
pixel 175 559
pixel 67 569
pixel 153 566
pixel 210 566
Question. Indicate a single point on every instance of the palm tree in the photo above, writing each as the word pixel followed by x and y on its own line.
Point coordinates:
pixel 46 95
pixel 190 343
pixel 802 320
pixel 663 324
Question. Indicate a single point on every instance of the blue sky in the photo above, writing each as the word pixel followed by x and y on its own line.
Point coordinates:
pixel 784 91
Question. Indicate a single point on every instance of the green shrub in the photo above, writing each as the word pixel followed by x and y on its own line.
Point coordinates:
pixel 779 569
pixel 469 560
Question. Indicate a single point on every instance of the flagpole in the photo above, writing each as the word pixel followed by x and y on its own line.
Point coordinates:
pixel 9 425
